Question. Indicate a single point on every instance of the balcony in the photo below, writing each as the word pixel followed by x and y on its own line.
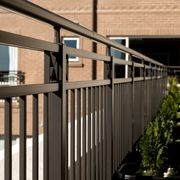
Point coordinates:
pixel 88 127
pixel 10 78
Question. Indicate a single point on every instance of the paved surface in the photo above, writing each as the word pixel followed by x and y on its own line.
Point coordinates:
pixel 15 160
pixel 15 154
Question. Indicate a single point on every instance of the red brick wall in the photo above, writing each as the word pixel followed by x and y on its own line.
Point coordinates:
pixel 142 17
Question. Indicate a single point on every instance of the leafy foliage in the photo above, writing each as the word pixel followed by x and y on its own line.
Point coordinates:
pixel 153 145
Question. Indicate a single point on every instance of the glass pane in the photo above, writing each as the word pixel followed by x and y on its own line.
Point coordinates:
pixel 1 143
pixel 4 58
pixel 117 53
pixel 70 43
pixel 121 41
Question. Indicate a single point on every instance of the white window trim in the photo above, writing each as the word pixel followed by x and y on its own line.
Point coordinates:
pixel 13 57
pixel 126 43
pixel 13 63
pixel 77 47
pixel 126 54
pixel 13 66
pixel 122 38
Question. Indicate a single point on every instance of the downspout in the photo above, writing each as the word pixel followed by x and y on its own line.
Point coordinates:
pixel 94 44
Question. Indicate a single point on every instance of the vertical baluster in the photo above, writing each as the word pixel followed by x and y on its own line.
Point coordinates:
pixel 116 126
pixel 129 114
pixel 72 143
pixel 64 112
pixel 78 163
pixel 118 109
pixel 105 129
pixel 116 99
pixel 101 133
pixel 35 138
pixel 83 165
pixel 108 132
pixel 93 136
pixel 104 133
pixel 8 139
pixel 89 136
pixel 113 144
pixel 119 119
pixel 123 122
pixel 115 131
pixel 68 103
pixel 45 139
pixel 97 132
pixel 23 110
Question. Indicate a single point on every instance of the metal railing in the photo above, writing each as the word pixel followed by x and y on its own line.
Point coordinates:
pixel 89 126
pixel 11 78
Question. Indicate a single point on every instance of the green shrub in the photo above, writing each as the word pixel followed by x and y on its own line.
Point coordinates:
pixel 153 145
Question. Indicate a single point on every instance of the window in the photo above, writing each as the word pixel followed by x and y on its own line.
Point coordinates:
pixel 74 43
pixel 123 71
pixel 116 53
pixel 8 65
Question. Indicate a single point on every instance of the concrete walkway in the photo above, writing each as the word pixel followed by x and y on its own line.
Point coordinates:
pixel 15 160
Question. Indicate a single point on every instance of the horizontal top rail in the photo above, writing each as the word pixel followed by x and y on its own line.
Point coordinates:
pixel 122 62
pixel 139 65
pixel 27 42
pixel 173 67
pixel 37 12
pixel 86 54
pixel 122 80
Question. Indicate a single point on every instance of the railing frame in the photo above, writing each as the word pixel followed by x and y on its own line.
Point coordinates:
pixel 55 90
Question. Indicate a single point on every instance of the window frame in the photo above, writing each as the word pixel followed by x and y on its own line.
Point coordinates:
pixel 13 65
pixel 126 54
pixel 126 43
pixel 77 46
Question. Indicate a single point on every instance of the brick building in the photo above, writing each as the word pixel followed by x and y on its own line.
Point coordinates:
pixel 149 26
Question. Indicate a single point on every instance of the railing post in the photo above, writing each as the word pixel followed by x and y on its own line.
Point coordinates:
pixel 108 120
pixel 112 115
pixel 52 128
pixel 151 72
pixel 64 120
pixel 106 65
pixel 146 73
pixel 133 115
pixel 52 116
pixel 150 94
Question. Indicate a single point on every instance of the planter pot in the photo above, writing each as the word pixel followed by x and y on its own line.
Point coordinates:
pixel 149 178
pixel 137 177
pixel 126 176
pixel 128 172
pixel 173 154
